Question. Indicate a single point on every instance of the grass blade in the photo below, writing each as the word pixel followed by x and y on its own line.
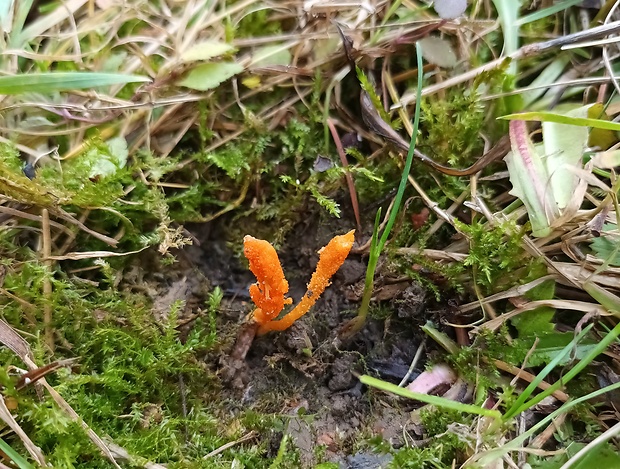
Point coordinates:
pixel 513 445
pixel 552 10
pixel 15 456
pixel 527 392
pixel 428 399
pixel 62 81
pixel 563 119
pixel 579 366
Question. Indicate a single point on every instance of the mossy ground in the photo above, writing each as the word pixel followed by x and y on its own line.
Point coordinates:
pixel 123 210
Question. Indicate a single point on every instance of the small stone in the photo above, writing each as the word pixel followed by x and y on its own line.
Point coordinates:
pixel 450 9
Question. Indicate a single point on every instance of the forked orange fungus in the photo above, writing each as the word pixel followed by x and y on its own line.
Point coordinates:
pixel 268 294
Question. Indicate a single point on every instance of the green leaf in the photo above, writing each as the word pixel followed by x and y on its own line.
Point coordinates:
pixel 428 399
pixel 607 246
pixel 206 50
pixel 108 162
pixel 551 346
pixel 271 55
pixel 541 116
pixel 603 455
pixel 62 81
pixel 529 176
pixel 207 76
pixel 564 147
pixel 534 323
pixel 15 456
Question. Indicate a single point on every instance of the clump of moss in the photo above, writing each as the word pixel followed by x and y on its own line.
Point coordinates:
pixel 495 252
pixel 487 347
pixel 461 116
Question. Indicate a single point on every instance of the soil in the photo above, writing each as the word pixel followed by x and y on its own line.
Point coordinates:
pixel 307 373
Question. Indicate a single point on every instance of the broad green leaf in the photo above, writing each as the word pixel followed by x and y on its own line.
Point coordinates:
pixel 277 54
pixel 551 346
pixel 537 324
pixel 48 82
pixel 206 50
pixel 529 176
pixel 207 76
pixel 534 323
pixel 601 456
pixel 604 455
pixel 544 291
pixel 544 176
pixel 541 116
pixel 607 246
pixel 564 146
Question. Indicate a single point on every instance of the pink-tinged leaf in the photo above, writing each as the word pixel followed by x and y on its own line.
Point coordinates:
pixel 529 178
pixel 439 375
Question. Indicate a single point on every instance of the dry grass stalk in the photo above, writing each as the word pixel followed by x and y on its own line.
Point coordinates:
pixel 46 252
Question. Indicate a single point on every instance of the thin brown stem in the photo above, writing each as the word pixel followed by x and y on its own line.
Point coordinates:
pixel 47 282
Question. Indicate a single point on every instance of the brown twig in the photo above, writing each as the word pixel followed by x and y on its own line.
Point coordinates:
pixel 47 282
pixel 349 177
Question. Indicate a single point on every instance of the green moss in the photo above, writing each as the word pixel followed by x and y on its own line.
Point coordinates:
pixel 256 24
pixel 475 363
pixel 127 381
pixel 461 117
pixel 438 456
pixel 495 252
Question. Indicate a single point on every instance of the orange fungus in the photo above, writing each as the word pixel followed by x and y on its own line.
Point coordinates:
pixel 331 257
pixel 271 286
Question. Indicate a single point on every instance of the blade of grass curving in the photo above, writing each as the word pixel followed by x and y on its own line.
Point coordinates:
pixel 428 399
pixel 527 392
pixel 372 265
pixel 43 23
pixel 575 370
pixel 62 81
pixel 541 116
pixel 514 445
pixel 552 10
pixel 15 456
pixel 357 323
pixel 407 169
pixel 20 13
